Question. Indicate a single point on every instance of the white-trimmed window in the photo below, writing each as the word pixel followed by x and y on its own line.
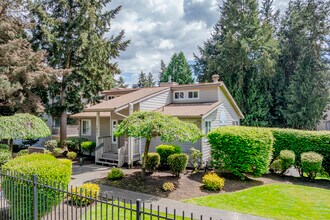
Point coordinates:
pixel 86 127
pixel 208 127
pixel 193 94
pixel 235 122
pixel 179 95
pixel 114 125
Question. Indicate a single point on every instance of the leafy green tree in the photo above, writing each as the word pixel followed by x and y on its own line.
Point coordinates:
pixel 178 69
pixel 22 70
pixel 22 126
pixel 149 125
pixel 302 65
pixel 150 80
pixel 243 51
pixel 73 34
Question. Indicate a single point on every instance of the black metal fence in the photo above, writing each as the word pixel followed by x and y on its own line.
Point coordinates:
pixel 30 198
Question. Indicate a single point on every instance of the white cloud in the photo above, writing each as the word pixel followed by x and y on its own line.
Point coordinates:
pixel 159 28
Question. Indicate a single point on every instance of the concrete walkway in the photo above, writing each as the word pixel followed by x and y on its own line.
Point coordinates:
pixel 90 172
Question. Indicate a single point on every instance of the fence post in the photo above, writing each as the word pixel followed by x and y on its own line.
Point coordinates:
pixel 35 197
pixel 138 209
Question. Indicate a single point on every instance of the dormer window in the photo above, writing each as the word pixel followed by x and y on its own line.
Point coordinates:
pixel 178 95
pixel 193 94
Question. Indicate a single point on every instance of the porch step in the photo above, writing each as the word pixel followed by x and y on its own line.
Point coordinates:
pixel 107 162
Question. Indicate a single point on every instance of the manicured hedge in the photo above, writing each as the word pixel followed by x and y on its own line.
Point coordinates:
pixel 241 149
pixel 177 163
pixel 303 141
pixel 165 151
pixel 48 170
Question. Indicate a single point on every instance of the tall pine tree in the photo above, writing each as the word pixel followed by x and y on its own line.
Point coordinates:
pixel 162 70
pixel 145 81
pixel 242 50
pixel 73 34
pixel 178 69
pixel 304 93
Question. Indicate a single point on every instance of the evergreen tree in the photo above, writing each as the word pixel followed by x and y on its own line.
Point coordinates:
pixel 162 70
pixel 73 34
pixel 150 80
pixel 142 81
pixel 22 70
pixel 121 83
pixel 304 93
pixel 178 69
pixel 243 51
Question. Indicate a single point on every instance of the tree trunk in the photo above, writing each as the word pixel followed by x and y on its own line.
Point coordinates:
pixel 11 146
pixel 144 159
pixel 64 119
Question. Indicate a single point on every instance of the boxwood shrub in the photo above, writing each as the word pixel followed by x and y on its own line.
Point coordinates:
pixel 115 174
pixel 166 150
pixel 177 163
pixel 48 169
pixel 287 158
pixel 152 162
pixel 88 146
pixel 303 141
pixel 241 149
pixel 311 164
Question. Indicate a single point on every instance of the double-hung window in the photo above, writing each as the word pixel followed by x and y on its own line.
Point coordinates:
pixel 178 95
pixel 86 127
pixel 193 95
pixel 208 127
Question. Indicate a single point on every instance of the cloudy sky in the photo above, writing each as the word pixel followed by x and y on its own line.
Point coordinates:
pixel 159 28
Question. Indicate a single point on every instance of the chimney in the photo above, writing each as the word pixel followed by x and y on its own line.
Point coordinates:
pixel 169 83
pixel 215 78
pixel 169 78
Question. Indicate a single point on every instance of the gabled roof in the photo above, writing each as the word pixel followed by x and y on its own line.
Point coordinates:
pixel 90 115
pixel 189 109
pixel 119 91
pixel 124 100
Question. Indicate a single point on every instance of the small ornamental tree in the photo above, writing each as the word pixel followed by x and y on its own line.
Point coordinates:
pixel 149 125
pixel 22 126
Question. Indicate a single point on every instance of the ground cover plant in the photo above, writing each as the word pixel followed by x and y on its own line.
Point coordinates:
pixel 277 201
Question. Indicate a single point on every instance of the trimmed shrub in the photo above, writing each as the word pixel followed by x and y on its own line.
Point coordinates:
pixel 71 145
pixel 88 146
pixel 5 156
pixel 89 190
pixel 168 187
pixel 152 162
pixel 48 169
pixel 213 182
pixel 276 166
pixel 303 141
pixel 241 149
pixel 4 147
pixel 23 152
pixel 76 143
pixel 115 174
pixel 177 163
pixel 287 158
pixel 311 163
pixel 71 155
pixel 51 145
pixel 195 159
pixel 66 162
pixel 57 152
pixel 166 150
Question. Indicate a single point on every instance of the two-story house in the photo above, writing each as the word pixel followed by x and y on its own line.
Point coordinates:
pixel 208 105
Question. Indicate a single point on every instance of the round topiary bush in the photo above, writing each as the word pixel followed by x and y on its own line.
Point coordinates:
pixel 57 152
pixel 213 182
pixel 152 162
pixel 240 150
pixel 311 163
pixel 115 174
pixel 166 150
pixel 177 163
pixel 276 166
pixel 71 155
pixel 48 170
pixel 5 156
pixel 168 187
pixel 287 158
pixel 85 194
pixel 88 146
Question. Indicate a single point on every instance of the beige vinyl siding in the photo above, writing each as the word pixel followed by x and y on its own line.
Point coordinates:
pixel 206 94
pixel 156 102
pixel 231 114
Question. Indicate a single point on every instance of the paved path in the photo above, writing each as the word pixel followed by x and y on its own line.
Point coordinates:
pixel 89 172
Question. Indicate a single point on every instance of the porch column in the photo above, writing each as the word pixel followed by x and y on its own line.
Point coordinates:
pixel 98 128
pixel 130 140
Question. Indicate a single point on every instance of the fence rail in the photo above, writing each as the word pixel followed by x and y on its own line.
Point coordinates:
pixel 30 198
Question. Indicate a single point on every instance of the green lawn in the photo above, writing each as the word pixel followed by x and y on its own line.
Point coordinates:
pixel 98 214
pixel 279 201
